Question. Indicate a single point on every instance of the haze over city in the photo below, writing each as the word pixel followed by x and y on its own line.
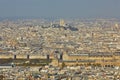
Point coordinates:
pixel 59 40
pixel 60 8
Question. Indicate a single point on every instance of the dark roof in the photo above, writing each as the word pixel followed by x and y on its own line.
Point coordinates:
pixel 5 65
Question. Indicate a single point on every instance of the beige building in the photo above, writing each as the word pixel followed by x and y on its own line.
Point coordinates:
pixel 96 59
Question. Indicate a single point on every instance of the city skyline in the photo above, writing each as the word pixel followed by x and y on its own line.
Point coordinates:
pixel 60 8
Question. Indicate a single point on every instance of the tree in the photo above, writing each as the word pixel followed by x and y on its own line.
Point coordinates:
pixel 63 64
pixel 1 77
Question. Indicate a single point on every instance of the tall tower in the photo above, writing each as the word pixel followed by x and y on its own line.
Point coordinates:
pixel 62 23
pixel 116 26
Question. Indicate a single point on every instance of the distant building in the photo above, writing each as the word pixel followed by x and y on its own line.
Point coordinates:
pixel 62 23
pixel 5 66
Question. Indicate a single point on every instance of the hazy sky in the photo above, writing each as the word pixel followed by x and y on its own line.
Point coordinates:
pixel 60 8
